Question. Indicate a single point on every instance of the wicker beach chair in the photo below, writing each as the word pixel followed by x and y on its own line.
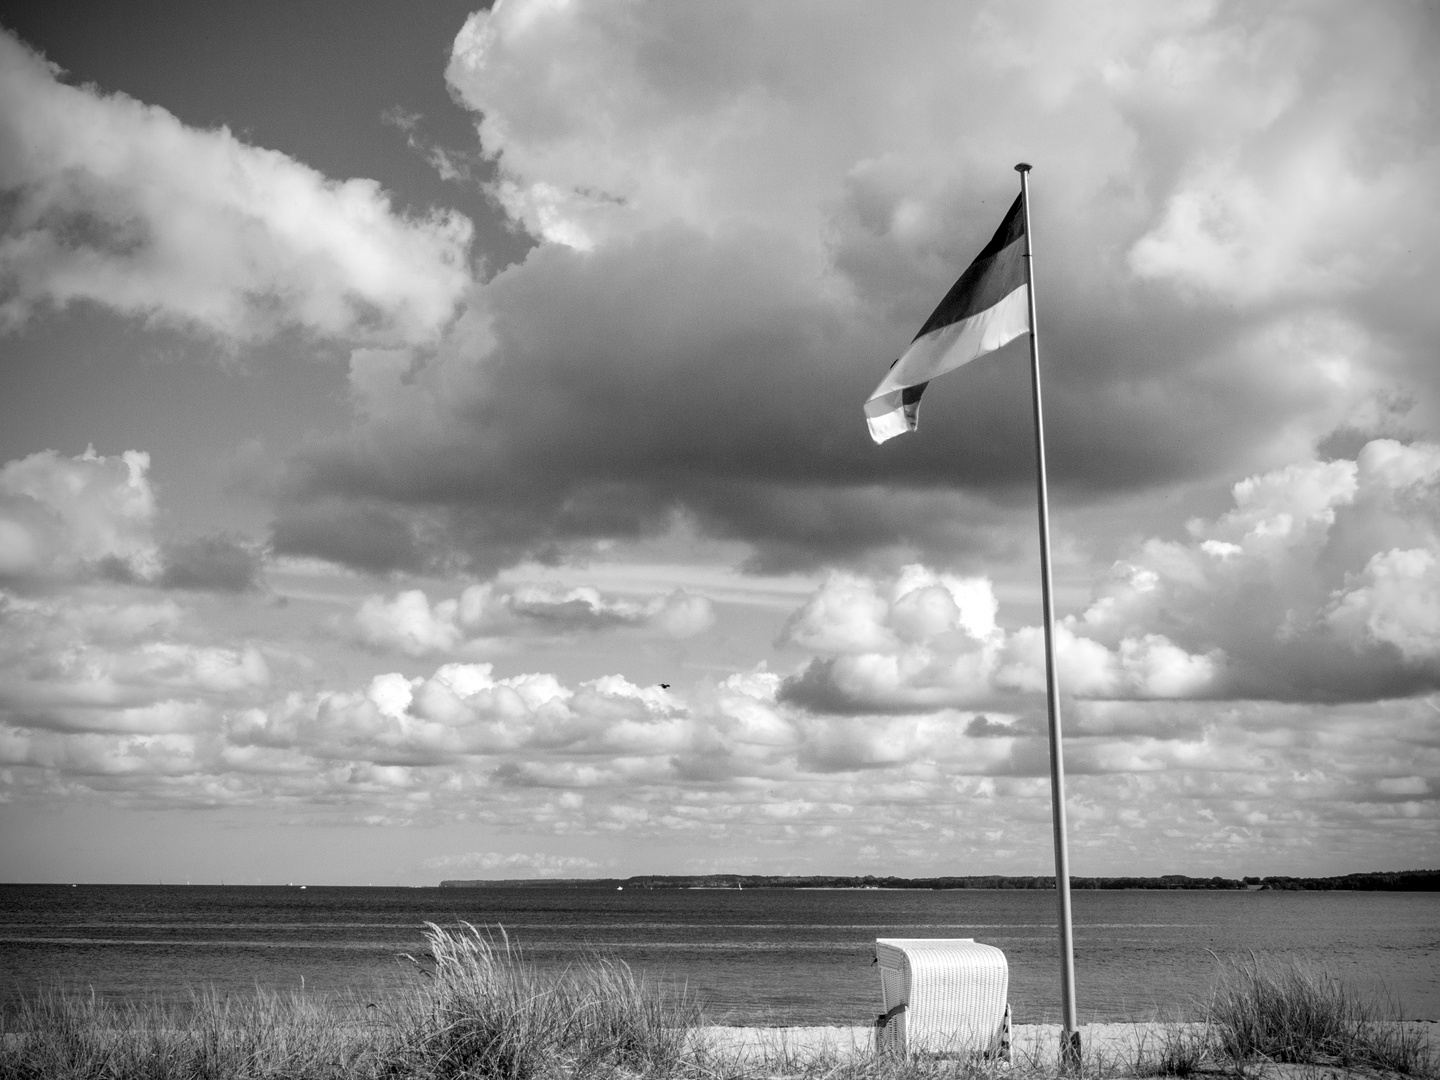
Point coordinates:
pixel 943 996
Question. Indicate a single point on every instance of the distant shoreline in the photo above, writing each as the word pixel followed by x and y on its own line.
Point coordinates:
pixel 1384 881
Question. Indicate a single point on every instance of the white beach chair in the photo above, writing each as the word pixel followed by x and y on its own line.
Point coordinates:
pixel 943 996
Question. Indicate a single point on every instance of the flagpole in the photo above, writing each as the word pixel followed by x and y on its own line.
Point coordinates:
pixel 1070 1038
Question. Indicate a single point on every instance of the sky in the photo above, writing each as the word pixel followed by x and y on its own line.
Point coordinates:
pixel 432 439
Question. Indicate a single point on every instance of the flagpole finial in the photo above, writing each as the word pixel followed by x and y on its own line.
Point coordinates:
pixel 1024 166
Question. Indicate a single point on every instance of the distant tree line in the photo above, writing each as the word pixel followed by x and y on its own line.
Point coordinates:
pixel 1385 881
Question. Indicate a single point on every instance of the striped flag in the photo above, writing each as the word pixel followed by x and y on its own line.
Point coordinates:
pixel 987 307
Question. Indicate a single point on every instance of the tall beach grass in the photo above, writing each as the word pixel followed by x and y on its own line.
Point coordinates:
pixel 482 1011
pixel 1264 1013
pixel 472 1007
pixel 1292 1013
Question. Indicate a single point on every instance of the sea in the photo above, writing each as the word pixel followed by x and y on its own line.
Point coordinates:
pixel 771 956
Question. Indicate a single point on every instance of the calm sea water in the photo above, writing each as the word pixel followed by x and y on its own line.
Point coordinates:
pixel 764 956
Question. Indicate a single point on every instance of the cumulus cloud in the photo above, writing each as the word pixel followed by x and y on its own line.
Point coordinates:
pixel 410 623
pixel 463 731
pixel 116 202
pixel 1208 684
pixel 738 228
pixel 1265 165
pixel 115 666
pixel 1320 584
pixel 529 753
pixel 91 517
pixel 925 640
pixel 66 517
pixel 1299 585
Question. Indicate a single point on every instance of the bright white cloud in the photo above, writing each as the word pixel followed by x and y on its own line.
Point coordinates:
pixel 408 623
pixel 1394 600
pixel 65 517
pixel 119 203
pixel 607 118
pixel 1319 583
pixel 528 754
pixel 112 697
pixel 484 614
pixel 924 641
pixel 105 693
pixel 66 520
pixel 1274 200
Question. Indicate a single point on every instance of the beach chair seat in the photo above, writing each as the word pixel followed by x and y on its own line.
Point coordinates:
pixel 943 996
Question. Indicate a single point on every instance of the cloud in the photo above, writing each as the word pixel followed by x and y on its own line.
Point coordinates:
pixel 536 864
pixel 451 165
pixel 117 666
pixel 924 641
pixel 91 517
pixel 1292 100
pixel 1320 584
pixel 1299 586
pixel 1211 697
pixel 118 203
pixel 409 624
pixel 481 614
pixel 1150 781
pixel 463 711
pixel 738 224
pixel 70 517
pixel 218 563
pixel 738 228
pixel 1395 601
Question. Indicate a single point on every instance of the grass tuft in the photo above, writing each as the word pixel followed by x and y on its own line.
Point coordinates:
pixel 60 1033
pixel 1292 1013
pixel 1184 1050
pixel 484 1012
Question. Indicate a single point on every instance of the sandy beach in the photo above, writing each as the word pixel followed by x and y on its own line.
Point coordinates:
pixel 1035 1045
pixel 1031 1043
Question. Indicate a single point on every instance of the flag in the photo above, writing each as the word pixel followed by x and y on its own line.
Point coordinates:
pixel 987 307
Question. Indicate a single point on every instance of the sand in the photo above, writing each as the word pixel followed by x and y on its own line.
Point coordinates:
pixel 1106 1045
pixel 1038 1043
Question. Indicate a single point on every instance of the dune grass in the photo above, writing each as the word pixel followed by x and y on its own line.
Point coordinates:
pixel 484 1012
pixel 1268 1013
pixel 473 1007
pixel 1295 1014
pixel 59 1034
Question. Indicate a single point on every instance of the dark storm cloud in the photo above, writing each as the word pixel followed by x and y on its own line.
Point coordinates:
pixel 218 563
pixel 681 374
pixel 369 537
pixel 723 275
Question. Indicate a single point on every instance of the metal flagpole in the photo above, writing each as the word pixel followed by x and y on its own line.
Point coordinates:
pixel 1070 1037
